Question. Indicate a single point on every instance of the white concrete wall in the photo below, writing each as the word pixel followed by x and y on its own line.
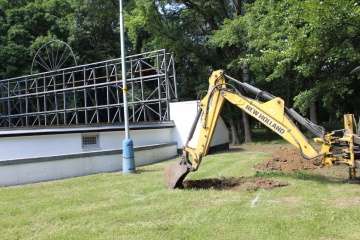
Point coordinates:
pixel 28 159
pixel 59 144
pixel 151 156
pixel 183 114
pixel 111 140
pixel 37 146
pixel 51 170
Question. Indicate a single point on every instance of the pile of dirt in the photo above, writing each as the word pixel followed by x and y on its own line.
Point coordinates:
pixel 234 184
pixel 287 160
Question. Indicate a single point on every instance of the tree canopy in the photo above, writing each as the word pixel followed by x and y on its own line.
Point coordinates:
pixel 312 44
pixel 302 51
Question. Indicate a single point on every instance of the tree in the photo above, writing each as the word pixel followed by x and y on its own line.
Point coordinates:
pixel 90 27
pixel 185 27
pixel 25 25
pixel 316 43
pixel 14 39
pixel 93 27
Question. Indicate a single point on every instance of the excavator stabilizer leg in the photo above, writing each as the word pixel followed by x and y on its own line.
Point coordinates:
pixel 352 176
pixel 175 174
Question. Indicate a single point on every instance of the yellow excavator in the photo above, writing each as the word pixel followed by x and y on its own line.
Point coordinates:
pixel 273 114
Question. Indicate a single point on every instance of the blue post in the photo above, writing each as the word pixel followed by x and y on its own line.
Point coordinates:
pixel 128 150
pixel 128 156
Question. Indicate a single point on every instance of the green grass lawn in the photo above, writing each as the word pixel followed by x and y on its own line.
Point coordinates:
pixel 138 206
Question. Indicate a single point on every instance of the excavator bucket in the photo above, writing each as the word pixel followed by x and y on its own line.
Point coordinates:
pixel 175 173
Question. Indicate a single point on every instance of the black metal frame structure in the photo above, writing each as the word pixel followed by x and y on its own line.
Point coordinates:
pixel 91 93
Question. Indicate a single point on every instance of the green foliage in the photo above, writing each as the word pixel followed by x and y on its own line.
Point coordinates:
pixel 231 35
pixel 93 29
pixel 89 27
pixel 268 173
pixel 14 58
pixel 304 99
pixel 316 43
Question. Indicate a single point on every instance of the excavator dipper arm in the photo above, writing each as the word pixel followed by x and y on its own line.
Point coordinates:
pixel 208 113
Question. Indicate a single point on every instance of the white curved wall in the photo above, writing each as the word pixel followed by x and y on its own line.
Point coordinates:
pixel 183 115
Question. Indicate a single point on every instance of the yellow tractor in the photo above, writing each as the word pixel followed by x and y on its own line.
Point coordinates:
pixel 274 115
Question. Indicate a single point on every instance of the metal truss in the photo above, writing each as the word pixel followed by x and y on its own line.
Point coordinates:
pixel 92 93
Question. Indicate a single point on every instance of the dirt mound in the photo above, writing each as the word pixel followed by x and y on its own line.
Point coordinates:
pixel 235 184
pixel 287 160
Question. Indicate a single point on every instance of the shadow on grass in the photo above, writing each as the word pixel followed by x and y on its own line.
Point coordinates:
pixel 233 149
pixel 141 170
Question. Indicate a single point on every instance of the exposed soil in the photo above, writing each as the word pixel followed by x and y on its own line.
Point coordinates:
pixel 285 159
pixel 235 184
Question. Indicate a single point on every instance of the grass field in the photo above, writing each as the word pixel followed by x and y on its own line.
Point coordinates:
pixel 138 206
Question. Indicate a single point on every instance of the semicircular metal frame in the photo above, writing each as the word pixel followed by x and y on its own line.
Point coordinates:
pixel 53 55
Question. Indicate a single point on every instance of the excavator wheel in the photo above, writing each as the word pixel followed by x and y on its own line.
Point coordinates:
pixel 175 174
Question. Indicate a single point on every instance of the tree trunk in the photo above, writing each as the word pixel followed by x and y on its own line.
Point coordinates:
pixel 313 113
pixel 247 127
pixel 244 116
pixel 332 117
pixel 234 133
pixel 289 95
pixel 268 134
pixel 238 5
pixel 239 129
